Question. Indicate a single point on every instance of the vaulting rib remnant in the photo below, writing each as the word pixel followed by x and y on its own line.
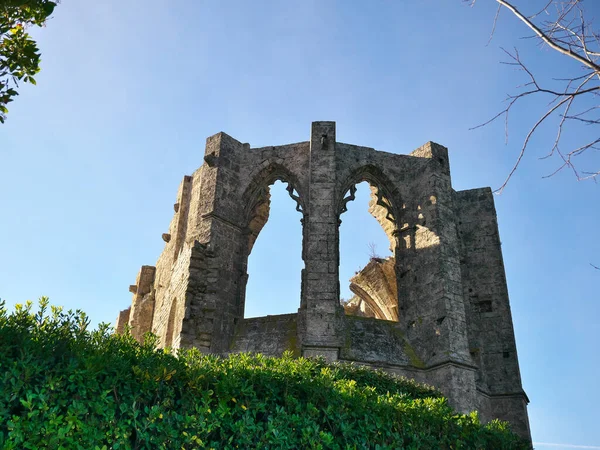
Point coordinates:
pixel 437 310
pixel 375 291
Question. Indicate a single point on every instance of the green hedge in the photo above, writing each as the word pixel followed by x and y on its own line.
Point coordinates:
pixel 65 387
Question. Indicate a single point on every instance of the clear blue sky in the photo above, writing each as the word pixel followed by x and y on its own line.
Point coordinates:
pixel 91 158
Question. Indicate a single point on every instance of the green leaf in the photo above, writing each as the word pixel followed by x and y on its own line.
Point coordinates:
pixel 49 8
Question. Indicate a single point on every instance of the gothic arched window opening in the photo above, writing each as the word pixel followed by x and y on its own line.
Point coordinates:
pixel 368 286
pixel 275 254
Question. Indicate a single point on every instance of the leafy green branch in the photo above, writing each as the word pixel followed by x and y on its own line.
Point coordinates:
pixel 19 54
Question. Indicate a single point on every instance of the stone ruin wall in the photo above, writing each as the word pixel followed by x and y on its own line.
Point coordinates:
pixel 437 310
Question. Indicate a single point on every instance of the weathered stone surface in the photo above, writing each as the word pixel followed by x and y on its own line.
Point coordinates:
pixel 375 289
pixel 270 335
pixel 122 320
pixel 443 292
pixel 142 307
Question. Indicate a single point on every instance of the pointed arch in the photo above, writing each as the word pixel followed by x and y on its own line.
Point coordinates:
pixel 256 197
pixel 376 284
pixel 385 198
pixel 256 201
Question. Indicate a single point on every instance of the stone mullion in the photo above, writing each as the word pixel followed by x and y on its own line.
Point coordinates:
pixel 321 280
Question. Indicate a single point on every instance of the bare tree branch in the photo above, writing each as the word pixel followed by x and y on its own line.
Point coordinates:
pixel 569 33
pixel 494 25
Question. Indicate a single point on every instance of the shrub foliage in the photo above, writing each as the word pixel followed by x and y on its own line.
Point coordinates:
pixel 65 387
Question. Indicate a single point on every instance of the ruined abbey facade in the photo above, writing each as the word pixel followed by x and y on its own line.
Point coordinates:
pixel 436 311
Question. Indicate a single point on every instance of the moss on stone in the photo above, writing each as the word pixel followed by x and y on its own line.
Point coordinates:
pixel 292 340
pixel 412 356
